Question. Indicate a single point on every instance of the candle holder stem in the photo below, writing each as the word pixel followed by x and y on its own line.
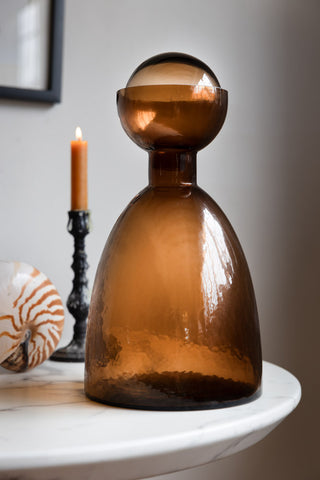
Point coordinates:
pixel 78 300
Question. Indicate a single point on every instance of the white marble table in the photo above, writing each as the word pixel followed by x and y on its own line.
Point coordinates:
pixel 50 430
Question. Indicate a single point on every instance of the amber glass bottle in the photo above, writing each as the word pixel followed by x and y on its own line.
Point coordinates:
pixel 173 323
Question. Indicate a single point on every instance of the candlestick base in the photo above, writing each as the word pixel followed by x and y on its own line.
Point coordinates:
pixel 73 352
pixel 78 301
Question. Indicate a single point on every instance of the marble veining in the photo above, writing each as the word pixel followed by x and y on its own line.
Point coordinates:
pixel 50 430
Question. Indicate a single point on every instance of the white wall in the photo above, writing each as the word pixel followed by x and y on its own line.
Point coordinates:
pixel 263 169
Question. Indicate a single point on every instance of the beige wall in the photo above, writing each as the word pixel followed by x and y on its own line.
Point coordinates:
pixel 263 170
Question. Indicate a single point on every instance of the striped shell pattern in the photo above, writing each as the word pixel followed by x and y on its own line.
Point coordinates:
pixel 31 316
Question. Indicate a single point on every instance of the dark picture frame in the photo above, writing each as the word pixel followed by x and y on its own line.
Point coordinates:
pixel 52 94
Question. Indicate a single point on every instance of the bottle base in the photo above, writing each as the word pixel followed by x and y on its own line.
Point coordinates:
pixel 173 391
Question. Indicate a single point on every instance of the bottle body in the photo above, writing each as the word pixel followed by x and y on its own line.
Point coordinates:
pixel 173 322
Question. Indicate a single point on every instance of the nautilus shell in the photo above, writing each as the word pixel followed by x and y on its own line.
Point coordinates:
pixel 31 316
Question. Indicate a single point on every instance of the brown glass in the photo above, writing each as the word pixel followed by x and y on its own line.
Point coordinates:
pixel 173 323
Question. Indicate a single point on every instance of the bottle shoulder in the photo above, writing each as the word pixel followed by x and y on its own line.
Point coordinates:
pixel 187 208
pixel 192 198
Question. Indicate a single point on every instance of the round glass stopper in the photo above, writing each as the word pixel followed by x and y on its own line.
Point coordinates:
pixel 172 101
pixel 173 69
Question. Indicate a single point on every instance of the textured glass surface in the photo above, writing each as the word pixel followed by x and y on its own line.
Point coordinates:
pixel 173 322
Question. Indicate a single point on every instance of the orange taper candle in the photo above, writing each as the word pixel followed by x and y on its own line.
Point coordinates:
pixel 79 175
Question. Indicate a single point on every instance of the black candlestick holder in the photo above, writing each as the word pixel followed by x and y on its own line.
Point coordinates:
pixel 78 300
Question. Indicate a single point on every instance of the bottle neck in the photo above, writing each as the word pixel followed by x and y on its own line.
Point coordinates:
pixel 172 168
